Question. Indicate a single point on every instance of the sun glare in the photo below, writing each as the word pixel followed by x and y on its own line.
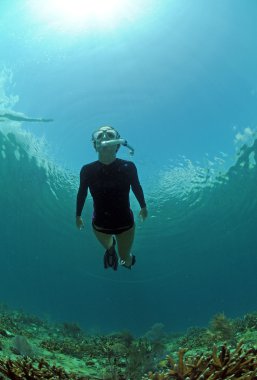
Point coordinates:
pixel 83 14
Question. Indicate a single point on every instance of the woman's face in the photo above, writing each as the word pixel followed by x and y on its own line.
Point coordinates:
pixel 107 149
pixel 105 134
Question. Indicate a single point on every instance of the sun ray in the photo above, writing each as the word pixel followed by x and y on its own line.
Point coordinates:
pixel 68 15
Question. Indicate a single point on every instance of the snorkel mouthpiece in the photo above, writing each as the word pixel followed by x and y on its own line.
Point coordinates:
pixel 118 142
pixel 110 142
pixel 108 136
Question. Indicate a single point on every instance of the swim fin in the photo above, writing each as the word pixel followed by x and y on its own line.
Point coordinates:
pixel 132 263
pixel 110 257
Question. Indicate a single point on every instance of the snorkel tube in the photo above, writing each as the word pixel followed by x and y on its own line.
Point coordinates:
pixel 118 142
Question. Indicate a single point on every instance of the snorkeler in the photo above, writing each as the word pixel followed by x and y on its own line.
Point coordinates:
pixel 18 116
pixel 109 180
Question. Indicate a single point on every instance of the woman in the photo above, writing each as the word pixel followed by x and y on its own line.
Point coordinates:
pixel 109 180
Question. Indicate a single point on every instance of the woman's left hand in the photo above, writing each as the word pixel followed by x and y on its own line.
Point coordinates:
pixel 143 213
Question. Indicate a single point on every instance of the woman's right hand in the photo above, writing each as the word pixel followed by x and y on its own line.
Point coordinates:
pixel 79 222
pixel 143 213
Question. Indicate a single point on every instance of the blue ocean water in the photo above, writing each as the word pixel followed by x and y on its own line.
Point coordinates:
pixel 179 81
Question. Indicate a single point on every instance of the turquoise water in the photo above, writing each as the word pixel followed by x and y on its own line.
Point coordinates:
pixel 179 81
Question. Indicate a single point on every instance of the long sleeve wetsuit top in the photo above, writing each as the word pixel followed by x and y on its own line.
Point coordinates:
pixel 109 186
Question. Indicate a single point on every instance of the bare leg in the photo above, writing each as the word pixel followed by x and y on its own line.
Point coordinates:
pixel 104 239
pixel 125 242
pixel 18 116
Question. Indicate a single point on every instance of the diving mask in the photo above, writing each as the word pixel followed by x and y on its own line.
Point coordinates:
pixel 107 136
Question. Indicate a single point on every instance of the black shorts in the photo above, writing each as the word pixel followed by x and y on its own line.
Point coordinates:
pixel 114 231
pixel 121 225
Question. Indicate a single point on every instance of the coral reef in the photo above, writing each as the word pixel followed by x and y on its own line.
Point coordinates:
pixel 31 348
pixel 156 333
pixel 237 364
pixel 249 321
pixel 20 346
pixel 221 327
pixel 195 337
pixel 28 369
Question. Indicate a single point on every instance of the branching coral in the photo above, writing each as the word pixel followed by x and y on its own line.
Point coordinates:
pixel 237 364
pixel 27 369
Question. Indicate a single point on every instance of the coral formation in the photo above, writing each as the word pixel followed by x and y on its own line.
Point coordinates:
pixel 20 346
pixel 31 348
pixel 28 369
pixel 238 364
pixel 221 327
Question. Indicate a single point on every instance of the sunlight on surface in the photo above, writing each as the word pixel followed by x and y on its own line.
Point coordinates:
pixel 79 15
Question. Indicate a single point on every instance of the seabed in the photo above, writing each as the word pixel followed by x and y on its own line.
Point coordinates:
pixel 33 348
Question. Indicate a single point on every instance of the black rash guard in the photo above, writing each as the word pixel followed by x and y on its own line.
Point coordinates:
pixel 109 186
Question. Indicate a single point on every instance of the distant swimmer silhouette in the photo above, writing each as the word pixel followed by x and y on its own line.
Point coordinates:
pixel 18 116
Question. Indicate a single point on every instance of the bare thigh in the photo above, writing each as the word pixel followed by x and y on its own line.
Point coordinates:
pixel 125 241
pixel 104 239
